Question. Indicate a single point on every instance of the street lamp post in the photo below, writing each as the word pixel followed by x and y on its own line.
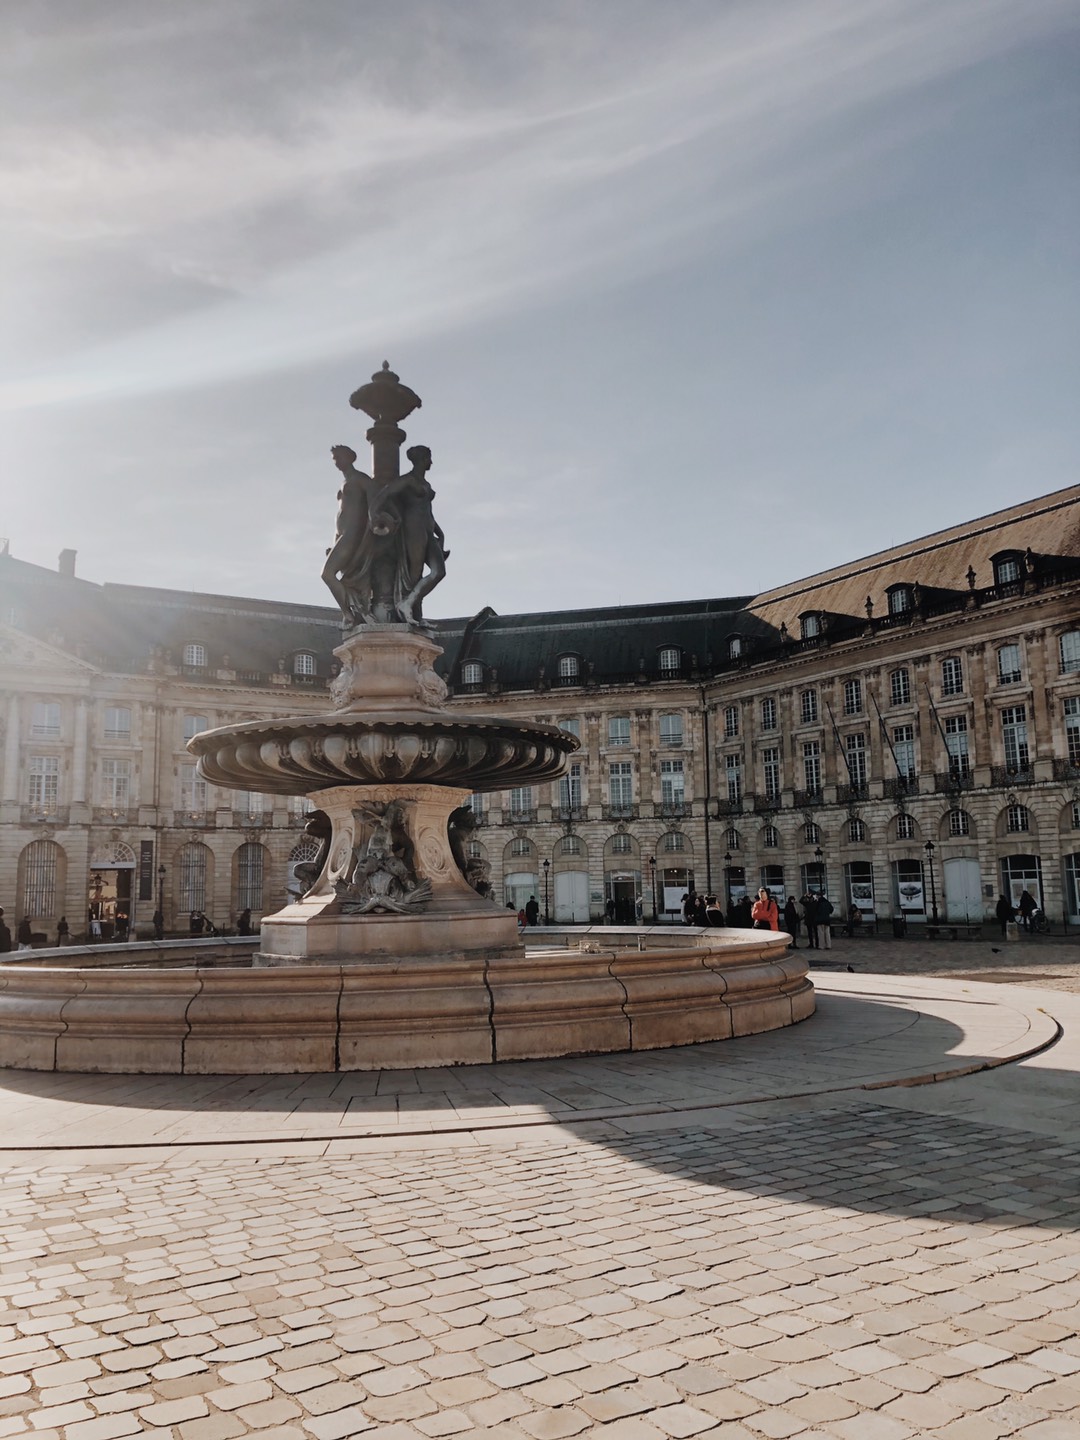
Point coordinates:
pixel 161 902
pixel 819 857
pixel 547 907
pixel 652 886
pixel 929 848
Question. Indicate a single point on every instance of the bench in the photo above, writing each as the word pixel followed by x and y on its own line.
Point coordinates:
pixel 954 932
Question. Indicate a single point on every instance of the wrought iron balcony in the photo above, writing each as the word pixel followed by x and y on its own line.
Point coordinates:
pixel 767 803
pixel 1066 770
pixel 676 809
pixel 195 819
pixel 901 786
pixel 620 812
pixel 112 815
pixel 252 819
pixel 568 813
pixel 808 799
pixel 951 782
pixel 848 794
pixel 44 815
pixel 724 806
pixel 1005 775
pixel 519 817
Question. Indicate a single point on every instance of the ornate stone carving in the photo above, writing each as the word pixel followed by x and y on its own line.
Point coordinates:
pixel 384 877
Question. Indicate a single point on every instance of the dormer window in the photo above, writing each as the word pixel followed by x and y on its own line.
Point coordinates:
pixel 472 673
pixel 734 647
pixel 1008 568
pixel 195 656
pixel 810 625
pixel 569 670
pixel 901 600
pixel 670 661
pixel 303 663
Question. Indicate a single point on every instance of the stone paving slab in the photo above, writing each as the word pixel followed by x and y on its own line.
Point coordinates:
pixel 869 1031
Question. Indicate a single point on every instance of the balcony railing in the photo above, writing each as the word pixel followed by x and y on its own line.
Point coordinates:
pixel 299 818
pixel 767 803
pixel 674 809
pixel 620 812
pixel 194 819
pixel 112 815
pixel 900 786
pixel 1066 770
pixel 808 799
pixel 252 819
pixel 44 815
pixel 727 806
pixel 568 813
pixel 1005 775
pixel 848 794
pixel 951 782
pixel 519 817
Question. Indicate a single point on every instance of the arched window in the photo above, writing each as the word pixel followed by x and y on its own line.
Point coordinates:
pixel 669 660
pixel 621 844
pixel 856 830
pixel 733 840
pixel 900 599
pixel 770 837
pixel 195 656
pixel 812 833
pixel 39 878
pixel 472 673
pixel 305 849
pixel 520 846
pixel 249 877
pixel 1069 647
pixel 191 878
pixel 905 827
pixel 1076 815
pixel 673 842
pixel 734 647
pixel 959 823
pixel 810 625
pixel 569 669
pixel 1008 568
pixel 570 845
pixel 303 664
pixel 1017 819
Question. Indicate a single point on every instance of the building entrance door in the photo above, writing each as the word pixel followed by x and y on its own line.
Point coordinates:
pixel 1019 873
pixel 108 900
pixel 571 897
pixel 623 889
pixel 963 891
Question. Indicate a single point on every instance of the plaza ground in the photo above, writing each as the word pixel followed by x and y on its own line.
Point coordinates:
pixel 864 1227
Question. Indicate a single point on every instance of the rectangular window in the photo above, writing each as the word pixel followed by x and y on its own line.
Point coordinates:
pixel 619 730
pixel 952 676
pixel 852 697
pixel 194 725
pixel 672 782
pixel 621 784
pixel 1008 658
pixel 1072 728
pixel 903 738
pixel 900 687
pixel 770 765
pixel 521 800
pixel 249 877
pixel 45 720
pixel 811 759
pixel 572 727
pixel 117 722
pixel 768 713
pixel 247 802
pixel 956 738
pixel 671 729
pixel 808 707
pixel 570 789
pixel 115 784
pixel 733 777
pixel 1015 737
pixel 192 791
pixel 1069 647
pixel 731 721
pixel 855 749
pixel 44 783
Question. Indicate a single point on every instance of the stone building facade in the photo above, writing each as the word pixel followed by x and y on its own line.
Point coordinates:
pixel 817 735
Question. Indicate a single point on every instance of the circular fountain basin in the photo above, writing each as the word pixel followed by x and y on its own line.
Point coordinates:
pixel 395 1011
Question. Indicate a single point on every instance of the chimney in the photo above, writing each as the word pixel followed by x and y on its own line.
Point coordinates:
pixel 66 564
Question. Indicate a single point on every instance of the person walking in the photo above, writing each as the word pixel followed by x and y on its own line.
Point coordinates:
pixel 1027 907
pixel 24 935
pixel 243 924
pixel 5 935
pixel 63 930
pixel 532 911
pixel 1005 913
pixel 792 920
pixel 823 909
pixel 159 925
pixel 764 913
pixel 609 910
pixel 809 909
pixel 714 913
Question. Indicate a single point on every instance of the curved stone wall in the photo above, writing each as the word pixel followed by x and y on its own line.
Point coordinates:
pixel 398 1012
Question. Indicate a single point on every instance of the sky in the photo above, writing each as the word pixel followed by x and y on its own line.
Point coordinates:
pixel 701 296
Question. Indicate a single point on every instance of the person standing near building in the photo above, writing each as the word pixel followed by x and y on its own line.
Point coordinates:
pixel 63 930
pixel 639 910
pixel 159 925
pixel 764 914
pixel 823 909
pixel 809 910
pixel 792 920
pixel 24 935
pixel 1004 912
pixel 5 935
pixel 1027 907
pixel 243 924
pixel 532 911
pixel 609 911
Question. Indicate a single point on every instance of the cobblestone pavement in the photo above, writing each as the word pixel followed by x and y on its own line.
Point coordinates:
pixel 861 1264
pixel 1048 961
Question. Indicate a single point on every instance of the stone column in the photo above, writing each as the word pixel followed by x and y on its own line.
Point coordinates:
pixel 11 751
pixel 78 763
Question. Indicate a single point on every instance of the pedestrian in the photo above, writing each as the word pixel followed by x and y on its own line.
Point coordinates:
pixel 823 908
pixel 121 925
pixel 609 910
pixel 521 920
pixel 243 924
pixel 159 925
pixel 809 910
pixel 689 901
pixel 1027 907
pixel 24 935
pixel 700 907
pixel 854 920
pixel 639 910
pixel 764 914
pixel 194 924
pixel 714 913
pixel 792 921
pixel 746 913
pixel 95 929
pixel 5 935
pixel 1005 913
pixel 532 911
pixel 63 930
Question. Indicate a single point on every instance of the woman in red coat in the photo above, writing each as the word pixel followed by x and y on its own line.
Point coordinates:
pixel 765 914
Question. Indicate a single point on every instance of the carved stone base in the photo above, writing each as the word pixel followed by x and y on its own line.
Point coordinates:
pixel 454 921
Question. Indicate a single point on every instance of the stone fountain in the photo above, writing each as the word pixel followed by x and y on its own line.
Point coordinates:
pixel 393 957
